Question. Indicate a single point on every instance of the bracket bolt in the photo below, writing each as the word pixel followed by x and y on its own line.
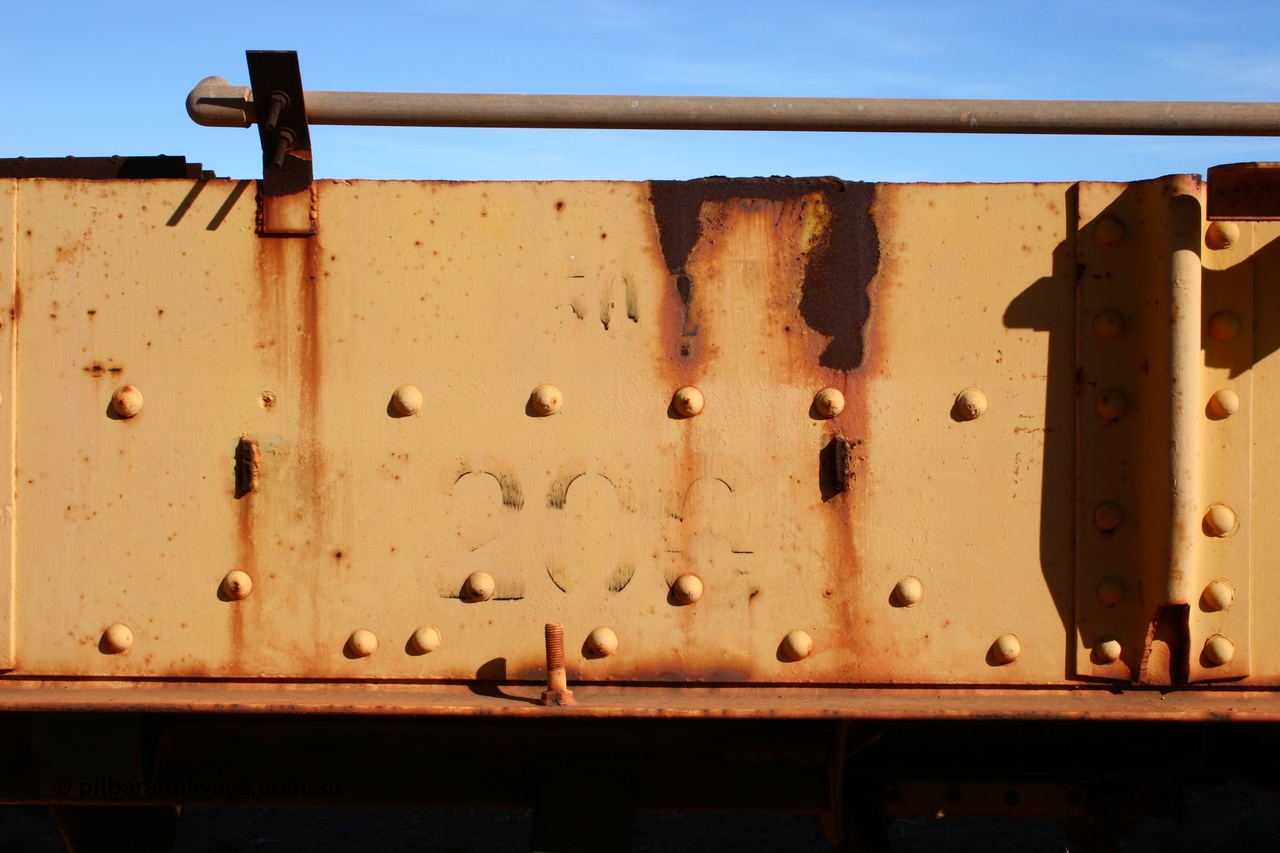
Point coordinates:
pixel 1221 235
pixel 126 401
pixel 116 639
pixel 1108 232
pixel 909 591
pixel 1108 326
pixel 797 645
pixel 479 586
pixel 1112 404
pixel 1219 650
pixel 425 640
pixel 687 589
pixel 236 585
pixel 688 402
pixel 1224 326
pixel 601 643
pixel 1006 648
pixel 557 692
pixel 406 401
pixel 1220 520
pixel 1224 403
pixel 828 402
pixel 970 405
pixel 1218 595
pixel 1108 516
pixel 362 643
pixel 1110 591
pixel 545 400
pixel 1107 651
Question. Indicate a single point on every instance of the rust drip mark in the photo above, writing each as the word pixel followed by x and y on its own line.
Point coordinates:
pixel 99 369
pixel 247 462
pixel 835 298
pixel 1165 658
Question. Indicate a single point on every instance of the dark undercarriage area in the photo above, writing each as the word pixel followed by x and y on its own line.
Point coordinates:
pixel 114 779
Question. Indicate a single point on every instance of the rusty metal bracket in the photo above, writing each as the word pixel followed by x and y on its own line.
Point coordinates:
pixel 286 196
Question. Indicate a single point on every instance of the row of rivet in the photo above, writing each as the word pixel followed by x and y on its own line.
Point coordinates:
pixel 1111 404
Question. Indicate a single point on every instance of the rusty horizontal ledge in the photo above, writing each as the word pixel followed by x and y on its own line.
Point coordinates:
pixel 646 702
pixel 216 103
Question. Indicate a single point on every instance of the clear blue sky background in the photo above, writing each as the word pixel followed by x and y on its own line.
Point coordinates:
pixel 106 78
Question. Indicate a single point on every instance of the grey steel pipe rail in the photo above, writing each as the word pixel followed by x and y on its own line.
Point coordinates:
pixel 216 103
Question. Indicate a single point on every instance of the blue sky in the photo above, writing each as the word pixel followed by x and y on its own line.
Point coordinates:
pixel 110 78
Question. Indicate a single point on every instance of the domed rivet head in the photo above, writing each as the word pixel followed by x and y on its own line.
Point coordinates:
pixel 1110 591
pixel 796 646
pixel 1108 326
pixel 828 403
pixel 1112 404
pixel 1108 516
pixel 688 402
pixel 406 401
pixel 126 401
pixel 1108 232
pixel 479 586
pixel 1224 403
pixel 362 643
pixel 1107 651
pixel 687 589
pixel 1006 648
pixel 1218 595
pixel 970 404
pixel 1220 520
pixel 116 639
pixel 909 591
pixel 1219 650
pixel 545 400
pixel 601 643
pixel 1220 235
pixel 237 585
pixel 425 640
pixel 1224 326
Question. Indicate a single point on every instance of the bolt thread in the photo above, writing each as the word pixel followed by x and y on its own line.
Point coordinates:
pixel 555 646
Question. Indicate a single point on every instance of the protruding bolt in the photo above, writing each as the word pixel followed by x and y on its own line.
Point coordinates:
pixel 1111 591
pixel 557 692
pixel 126 401
pixel 1108 326
pixel 362 643
pixel 1108 516
pixel 1107 651
pixel 479 586
pixel 1224 403
pixel 601 642
pixel 116 639
pixel 828 402
pixel 688 402
pixel 687 588
pixel 909 591
pixel 970 404
pixel 425 640
pixel 1108 232
pixel 1220 520
pixel 237 585
pixel 1224 326
pixel 1112 404
pixel 1219 650
pixel 279 100
pixel 545 400
pixel 797 645
pixel 1220 235
pixel 406 401
pixel 1006 648
pixel 1218 595
pixel 284 141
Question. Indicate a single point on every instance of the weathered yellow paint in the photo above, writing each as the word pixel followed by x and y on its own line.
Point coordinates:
pixel 8 418
pixel 364 519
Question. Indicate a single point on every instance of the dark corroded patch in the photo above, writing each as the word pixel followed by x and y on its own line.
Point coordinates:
pixel 246 467
pixel 838 269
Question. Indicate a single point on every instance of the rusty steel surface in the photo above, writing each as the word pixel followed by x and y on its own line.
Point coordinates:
pixel 216 103
pixel 1244 191
pixel 980 444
